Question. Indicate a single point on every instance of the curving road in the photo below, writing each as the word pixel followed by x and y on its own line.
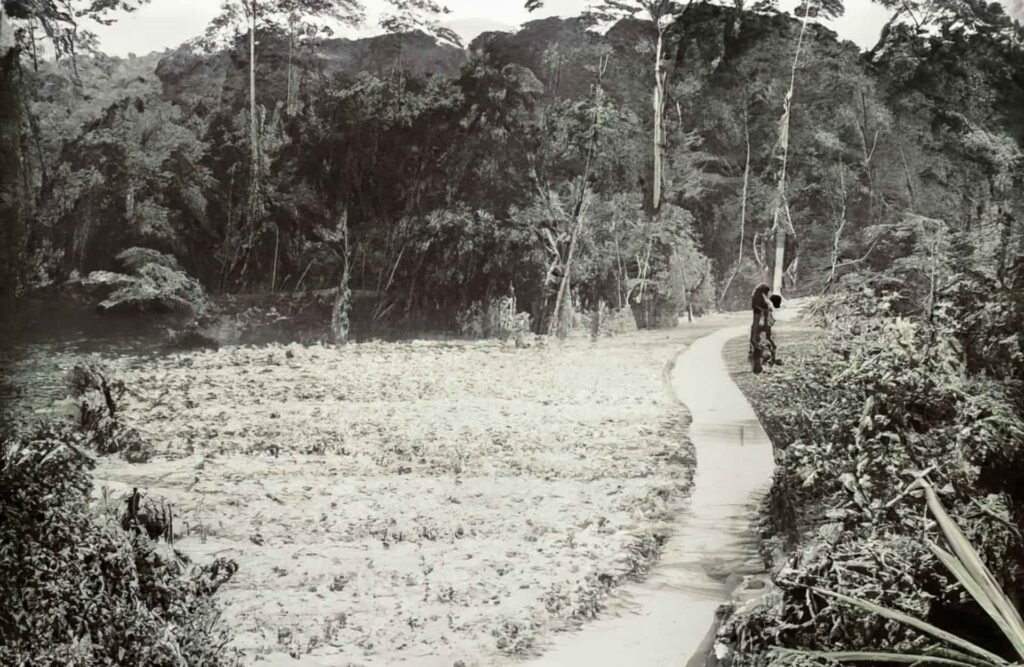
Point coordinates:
pixel 666 620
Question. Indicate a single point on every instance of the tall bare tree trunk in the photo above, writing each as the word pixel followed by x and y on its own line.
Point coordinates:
pixel 273 273
pixel 253 132
pixel 35 52
pixel 782 204
pixel 558 321
pixel 743 214
pixel 837 235
pixel 340 323
pixel 290 91
pixel 660 78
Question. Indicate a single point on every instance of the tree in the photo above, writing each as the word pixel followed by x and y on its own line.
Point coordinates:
pixel 60 22
pixel 781 226
pixel 418 15
pixel 579 206
pixel 12 219
pixel 661 14
pixel 303 19
pixel 743 210
pixel 267 16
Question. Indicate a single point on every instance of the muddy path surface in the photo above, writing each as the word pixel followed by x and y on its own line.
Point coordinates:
pixel 666 619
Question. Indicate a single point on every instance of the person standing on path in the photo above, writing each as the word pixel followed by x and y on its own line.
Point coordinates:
pixel 763 307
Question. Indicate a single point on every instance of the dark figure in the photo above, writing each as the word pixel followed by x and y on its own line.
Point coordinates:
pixel 762 306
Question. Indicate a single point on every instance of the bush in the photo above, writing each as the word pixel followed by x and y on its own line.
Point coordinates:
pixel 133 259
pixel 880 402
pixel 157 288
pixel 990 329
pixel 77 589
pixel 155 283
pixel 99 396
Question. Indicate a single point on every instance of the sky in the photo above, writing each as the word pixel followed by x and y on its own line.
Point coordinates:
pixel 167 23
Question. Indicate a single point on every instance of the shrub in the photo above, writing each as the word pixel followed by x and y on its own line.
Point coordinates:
pixel 990 329
pixel 99 414
pixel 155 283
pixel 882 401
pixel 159 289
pixel 133 259
pixel 76 589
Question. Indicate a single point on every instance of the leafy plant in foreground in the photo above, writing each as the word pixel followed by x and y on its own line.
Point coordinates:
pixel 964 562
pixel 77 589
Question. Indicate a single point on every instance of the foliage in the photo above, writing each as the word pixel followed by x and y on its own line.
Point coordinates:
pixel 59 20
pixel 99 416
pixel 964 563
pixel 156 283
pixel 991 329
pixel 905 170
pixel 76 588
pixel 880 402
pixel 13 228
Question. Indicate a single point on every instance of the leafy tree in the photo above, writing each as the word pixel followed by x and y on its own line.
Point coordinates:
pixel 268 16
pixel 60 22
pixel 661 14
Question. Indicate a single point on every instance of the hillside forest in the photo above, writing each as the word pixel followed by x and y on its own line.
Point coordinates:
pixel 654 166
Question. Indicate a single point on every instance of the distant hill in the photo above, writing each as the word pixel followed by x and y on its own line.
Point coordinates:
pixel 469 29
pixel 189 77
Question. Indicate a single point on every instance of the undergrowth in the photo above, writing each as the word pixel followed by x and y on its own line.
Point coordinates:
pixel 77 589
pixel 873 403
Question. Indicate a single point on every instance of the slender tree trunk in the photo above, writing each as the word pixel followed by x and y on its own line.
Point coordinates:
pixel 838 234
pixel 558 323
pixel 743 214
pixel 781 203
pixel 253 131
pixel 35 53
pixel 273 273
pixel 686 295
pixel 660 76
pixel 340 323
pixel 869 154
pixel 621 275
pixel 757 247
pixel 909 180
pixel 580 208
pixel 288 103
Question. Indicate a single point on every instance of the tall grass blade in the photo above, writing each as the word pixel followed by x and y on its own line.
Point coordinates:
pixel 917 624
pixel 972 586
pixel 873 656
pixel 1006 616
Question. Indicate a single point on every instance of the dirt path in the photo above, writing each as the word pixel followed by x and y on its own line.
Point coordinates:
pixel 666 619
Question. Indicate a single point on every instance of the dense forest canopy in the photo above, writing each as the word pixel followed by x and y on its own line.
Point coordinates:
pixel 434 177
